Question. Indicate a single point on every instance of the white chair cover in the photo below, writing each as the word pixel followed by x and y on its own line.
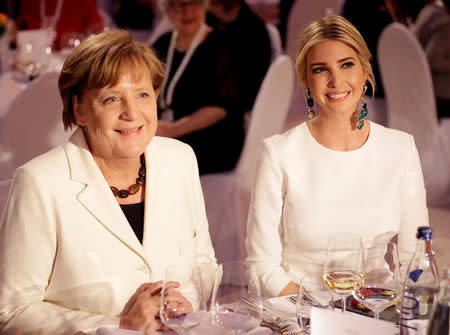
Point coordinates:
pixel 227 195
pixel 411 106
pixel 302 13
pixel 275 41
pixel 9 89
pixel 33 124
pixel 439 221
pixel 5 185
pixel 162 26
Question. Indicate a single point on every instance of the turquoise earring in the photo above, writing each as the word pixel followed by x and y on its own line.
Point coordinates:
pixel 363 114
pixel 310 103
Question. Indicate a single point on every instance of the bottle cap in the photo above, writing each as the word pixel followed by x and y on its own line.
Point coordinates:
pixel 424 233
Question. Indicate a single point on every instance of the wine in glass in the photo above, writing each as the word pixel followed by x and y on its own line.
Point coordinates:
pixel 186 307
pixel 343 270
pixel 237 305
pixel 381 277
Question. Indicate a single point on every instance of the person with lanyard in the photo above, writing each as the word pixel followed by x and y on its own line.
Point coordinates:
pixel 62 17
pixel 195 105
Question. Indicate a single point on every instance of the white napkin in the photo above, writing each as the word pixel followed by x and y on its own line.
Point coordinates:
pixel 117 331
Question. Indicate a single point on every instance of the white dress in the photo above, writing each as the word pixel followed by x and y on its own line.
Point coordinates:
pixel 303 192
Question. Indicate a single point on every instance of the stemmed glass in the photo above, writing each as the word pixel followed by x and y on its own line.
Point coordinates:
pixel 312 293
pixel 196 286
pixel 343 270
pixel 237 306
pixel 381 278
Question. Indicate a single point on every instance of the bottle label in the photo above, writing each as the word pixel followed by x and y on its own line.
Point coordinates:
pixel 415 310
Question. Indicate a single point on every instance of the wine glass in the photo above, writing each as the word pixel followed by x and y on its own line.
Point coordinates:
pixel 312 293
pixel 381 277
pixel 343 270
pixel 237 305
pixel 196 286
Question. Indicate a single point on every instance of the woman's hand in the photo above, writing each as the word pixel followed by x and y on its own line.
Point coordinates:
pixel 141 312
pixel 290 288
pixel 177 302
pixel 165 129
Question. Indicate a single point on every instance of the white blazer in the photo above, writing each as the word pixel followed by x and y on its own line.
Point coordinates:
pixel 69 258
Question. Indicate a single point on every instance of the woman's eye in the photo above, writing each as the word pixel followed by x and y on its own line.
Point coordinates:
pixel 318 69
pixel 110 100
pixel 143 95
pixel 348 64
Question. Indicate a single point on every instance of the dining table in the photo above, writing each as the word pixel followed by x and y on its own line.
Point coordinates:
pixel 284 308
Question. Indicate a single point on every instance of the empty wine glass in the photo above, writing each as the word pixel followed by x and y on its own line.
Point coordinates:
pixel 381 277
pixel 343 269
pixel 237 306
pixel 312 293
pixel 191 309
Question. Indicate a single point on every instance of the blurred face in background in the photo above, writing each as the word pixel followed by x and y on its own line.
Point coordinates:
pixel 186 15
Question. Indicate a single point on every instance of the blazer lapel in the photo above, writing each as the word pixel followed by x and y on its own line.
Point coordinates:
pixel 97 197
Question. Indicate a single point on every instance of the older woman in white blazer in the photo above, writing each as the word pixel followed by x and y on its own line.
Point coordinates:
pixel 337 172
pixel 90 226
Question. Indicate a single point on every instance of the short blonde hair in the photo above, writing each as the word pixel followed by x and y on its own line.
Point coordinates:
pixel 332 27
pixel 97 62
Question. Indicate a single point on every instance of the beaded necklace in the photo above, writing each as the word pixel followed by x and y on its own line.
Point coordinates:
pixel 134 188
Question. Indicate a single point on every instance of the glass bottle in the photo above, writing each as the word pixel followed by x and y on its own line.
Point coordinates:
pixel 420 287
pixel 439 322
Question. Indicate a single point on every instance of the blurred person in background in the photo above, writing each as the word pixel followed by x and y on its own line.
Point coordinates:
pixel 67 18
pixel 195 103
pixel 432 28
pixel 249 45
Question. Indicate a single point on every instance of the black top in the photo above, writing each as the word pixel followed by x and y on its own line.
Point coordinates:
pixel 251 52
pixel 135 216
pixel 205 82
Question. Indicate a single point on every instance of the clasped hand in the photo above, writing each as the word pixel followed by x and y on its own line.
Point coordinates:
pixel 141 312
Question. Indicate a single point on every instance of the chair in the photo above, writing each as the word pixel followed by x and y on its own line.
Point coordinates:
pixel 439 221
pixel 302 13
pixel 275 41
pixel 411 106
pixel 227 195
pixel 5 185
pixel 162 26
pixel 33 124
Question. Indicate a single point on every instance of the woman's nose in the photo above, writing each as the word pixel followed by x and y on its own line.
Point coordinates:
pixel 334 78
pixel 129 111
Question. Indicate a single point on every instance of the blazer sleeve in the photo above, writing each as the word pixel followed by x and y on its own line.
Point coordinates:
pixel 264 245
pixel 414 209
pixel 28 248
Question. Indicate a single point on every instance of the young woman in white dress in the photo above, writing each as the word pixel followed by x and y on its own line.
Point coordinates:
pixel 337 172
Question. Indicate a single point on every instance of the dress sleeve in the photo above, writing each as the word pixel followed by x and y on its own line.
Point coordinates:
pixel 264 245
pixel 28 249
pixel 414 209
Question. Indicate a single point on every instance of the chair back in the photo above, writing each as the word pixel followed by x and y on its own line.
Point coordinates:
pixel 302 13
pixel 408 86
pixel 268 114
pixel 275 41
pixel 33 123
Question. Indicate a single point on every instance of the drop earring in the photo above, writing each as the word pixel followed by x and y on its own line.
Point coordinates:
pixel 310 103
pixel 363 113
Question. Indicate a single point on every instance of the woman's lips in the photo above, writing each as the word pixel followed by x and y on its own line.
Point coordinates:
pixel 129 131
pixel 337 96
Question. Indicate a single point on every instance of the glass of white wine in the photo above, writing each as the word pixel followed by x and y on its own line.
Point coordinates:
pixel 343 270
pixel 381 277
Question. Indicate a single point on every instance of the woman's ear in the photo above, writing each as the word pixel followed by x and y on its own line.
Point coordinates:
pixel 79 116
